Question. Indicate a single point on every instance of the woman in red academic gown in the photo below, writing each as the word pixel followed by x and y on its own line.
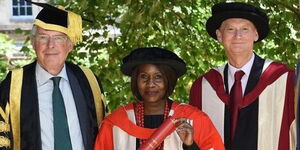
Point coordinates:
pixel 154 73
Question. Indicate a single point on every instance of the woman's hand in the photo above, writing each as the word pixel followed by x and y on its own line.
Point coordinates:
pixel 185 131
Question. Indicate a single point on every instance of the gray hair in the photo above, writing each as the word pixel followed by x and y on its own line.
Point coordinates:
pixel 33 32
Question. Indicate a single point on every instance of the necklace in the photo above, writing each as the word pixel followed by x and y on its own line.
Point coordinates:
pixel 139 115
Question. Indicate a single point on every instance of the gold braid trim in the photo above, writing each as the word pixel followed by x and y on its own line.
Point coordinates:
pixel 15 100
pixel 5 115
pixel 4 142
pixel 4 127
pixel 98 96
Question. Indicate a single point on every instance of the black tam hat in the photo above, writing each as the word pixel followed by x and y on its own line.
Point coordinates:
pixel 58 19
pixel 152 55
pixel 223 11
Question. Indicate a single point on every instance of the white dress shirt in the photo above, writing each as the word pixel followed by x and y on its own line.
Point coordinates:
pixel 246 69
pixel 45 88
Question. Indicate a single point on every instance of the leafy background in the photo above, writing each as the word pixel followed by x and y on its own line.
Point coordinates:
pixel 119 26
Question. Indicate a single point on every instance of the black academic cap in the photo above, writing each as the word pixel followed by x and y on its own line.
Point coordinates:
pixel 226 10
pixel 59 19
pixel 153 55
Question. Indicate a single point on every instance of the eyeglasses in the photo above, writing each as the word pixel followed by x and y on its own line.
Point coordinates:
pixel 145 78
pixel 57 39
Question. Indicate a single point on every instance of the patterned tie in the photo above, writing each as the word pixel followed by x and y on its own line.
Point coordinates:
pixel 236 96
pixel 62 139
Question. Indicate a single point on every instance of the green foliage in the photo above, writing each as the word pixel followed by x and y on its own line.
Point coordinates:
pixel 283 42
pixel 5 45
pixel 7 48
pixel 176 25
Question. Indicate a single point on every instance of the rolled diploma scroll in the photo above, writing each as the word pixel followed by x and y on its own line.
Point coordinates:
pixel 166 128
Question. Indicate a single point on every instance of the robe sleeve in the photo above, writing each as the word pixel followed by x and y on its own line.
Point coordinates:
pixel 5 131
pixel 104 140
pixel 5 126
pixel 196 93
pixel 205 134
pixel 287 139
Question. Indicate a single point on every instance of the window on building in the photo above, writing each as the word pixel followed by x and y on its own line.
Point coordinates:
pixel 21 8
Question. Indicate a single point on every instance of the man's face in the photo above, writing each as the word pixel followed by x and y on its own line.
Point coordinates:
pixel 237 36
pixel 52 49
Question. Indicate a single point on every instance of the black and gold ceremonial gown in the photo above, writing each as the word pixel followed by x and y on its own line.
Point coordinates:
pixel 19 108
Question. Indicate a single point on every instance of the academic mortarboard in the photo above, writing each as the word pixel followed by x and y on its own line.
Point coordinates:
pixel 59 19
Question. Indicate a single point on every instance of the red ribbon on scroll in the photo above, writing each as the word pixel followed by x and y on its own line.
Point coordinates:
pixel 165 129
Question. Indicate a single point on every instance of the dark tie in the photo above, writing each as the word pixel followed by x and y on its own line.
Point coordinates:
pixel 62 139
pixel 236 96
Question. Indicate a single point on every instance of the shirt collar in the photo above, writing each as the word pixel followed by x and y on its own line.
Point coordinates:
pixel 246 68
pixel 42 76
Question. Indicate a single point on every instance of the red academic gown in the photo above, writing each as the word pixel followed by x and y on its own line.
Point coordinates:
pixel 119 131
pixel 266 118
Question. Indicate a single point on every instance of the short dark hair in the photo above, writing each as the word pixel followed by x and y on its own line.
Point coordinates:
pixel 169 76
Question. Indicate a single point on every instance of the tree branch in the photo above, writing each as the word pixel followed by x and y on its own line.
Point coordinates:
pixel 296 11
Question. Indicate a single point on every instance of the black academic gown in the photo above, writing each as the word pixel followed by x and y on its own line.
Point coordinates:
pixel 29 113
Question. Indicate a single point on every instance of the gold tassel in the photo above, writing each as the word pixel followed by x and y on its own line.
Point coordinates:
pixel 74 27
pixel 74 30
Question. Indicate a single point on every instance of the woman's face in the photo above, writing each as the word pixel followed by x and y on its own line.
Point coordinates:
pixel 151 84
